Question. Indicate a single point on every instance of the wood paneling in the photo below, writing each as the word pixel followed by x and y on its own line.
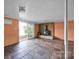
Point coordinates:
pixel 59 30
pixel 11 32
pixel 36 29
pixel 71 31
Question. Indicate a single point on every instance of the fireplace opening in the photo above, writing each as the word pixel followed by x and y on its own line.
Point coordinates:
pixel 45 31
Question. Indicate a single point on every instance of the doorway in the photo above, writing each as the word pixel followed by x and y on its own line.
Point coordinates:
pixel 26 30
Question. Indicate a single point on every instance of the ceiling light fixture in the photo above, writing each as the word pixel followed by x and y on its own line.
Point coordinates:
pixel 22 12
pixel 21 9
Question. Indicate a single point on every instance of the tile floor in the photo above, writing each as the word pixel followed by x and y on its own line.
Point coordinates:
pixel 38 49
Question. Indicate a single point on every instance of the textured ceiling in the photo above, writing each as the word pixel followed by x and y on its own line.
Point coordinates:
pixel 39 11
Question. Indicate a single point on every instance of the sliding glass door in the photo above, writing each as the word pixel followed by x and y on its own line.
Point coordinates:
pixel 26 30
pixel 30 30
pixel 22 28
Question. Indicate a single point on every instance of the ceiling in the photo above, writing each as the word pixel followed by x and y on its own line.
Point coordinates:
pixel 39 11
